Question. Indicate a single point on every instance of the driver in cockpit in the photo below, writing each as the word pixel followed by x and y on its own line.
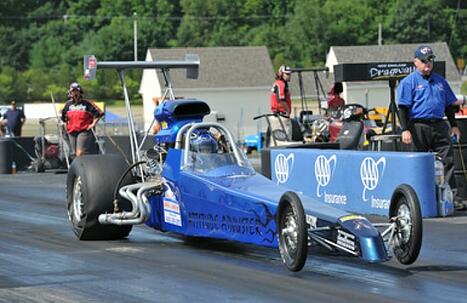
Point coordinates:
pixel 204 142
pixel 209 150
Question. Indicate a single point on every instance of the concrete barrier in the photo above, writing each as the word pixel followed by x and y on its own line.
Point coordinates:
pixel 356 181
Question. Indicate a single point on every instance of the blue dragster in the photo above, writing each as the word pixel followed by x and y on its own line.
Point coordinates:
pixel 196 181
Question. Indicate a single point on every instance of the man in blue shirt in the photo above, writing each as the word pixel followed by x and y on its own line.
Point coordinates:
pixel 424 98
pixel 15 119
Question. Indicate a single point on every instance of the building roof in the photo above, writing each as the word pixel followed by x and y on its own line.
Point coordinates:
pixel 220 67
pixel 395 53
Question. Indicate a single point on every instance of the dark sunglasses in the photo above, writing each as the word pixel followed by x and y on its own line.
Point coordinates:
pixel 426 61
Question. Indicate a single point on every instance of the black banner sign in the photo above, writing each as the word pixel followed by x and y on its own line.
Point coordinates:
pixel 348 72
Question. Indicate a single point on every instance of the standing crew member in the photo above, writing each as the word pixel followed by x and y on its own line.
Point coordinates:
pixel 281 105
pixel 424 98
pixel 280 95
pixel 80 116
pixel 15 119
pixel 334 100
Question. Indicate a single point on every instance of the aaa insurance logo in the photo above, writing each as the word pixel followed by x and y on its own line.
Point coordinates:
pixel 282 167
pixel 324 168
pixel 371 172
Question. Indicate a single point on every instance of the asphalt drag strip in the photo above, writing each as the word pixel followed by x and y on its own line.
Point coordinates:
pixel 41 260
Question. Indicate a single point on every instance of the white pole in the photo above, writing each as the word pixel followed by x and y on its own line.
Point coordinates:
pixel 135 35
pixel 380 34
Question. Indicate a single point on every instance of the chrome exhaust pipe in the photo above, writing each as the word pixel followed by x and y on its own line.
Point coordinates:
pixel 139 202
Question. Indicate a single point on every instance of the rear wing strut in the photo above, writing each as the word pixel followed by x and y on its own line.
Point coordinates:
pixel 190 63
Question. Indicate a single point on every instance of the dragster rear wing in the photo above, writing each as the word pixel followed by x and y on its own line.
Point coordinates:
pixel 190 63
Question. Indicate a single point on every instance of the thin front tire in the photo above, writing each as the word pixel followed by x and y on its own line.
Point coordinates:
pixel 405 210
pixel 292 232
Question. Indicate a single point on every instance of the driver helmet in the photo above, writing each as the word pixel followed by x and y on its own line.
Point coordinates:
pixel 204 142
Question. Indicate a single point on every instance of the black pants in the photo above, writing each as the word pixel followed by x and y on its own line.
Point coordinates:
pixel 83 140
pixel 434 136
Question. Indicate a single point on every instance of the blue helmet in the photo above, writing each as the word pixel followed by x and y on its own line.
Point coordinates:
pixel 204 142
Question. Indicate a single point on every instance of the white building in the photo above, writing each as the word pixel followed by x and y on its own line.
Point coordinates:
pixel 234 81
pixel 377 93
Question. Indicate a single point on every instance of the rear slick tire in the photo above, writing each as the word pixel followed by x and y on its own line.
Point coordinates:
pixel 292 231
pixel 91 183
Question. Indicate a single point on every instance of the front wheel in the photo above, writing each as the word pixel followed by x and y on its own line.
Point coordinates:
pixel 405 210
pixel 292 231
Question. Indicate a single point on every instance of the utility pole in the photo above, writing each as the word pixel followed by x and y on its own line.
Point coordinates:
pixel 135 36
pixel 380 34
pixel 455 22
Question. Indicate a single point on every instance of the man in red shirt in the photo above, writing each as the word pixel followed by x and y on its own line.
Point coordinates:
pixel 80 116
pixel 280 94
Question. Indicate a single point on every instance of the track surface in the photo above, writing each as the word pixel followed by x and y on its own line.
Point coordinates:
pixel 41 260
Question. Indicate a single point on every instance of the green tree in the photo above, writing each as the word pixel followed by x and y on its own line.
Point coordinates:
pixel 20 86
pixel 6 84
pixel 223 22
pixel 13 85
pixel 54 90
pixel 458 34
pixel 419 21
pixel 47 52
pixel 319 24
pixel 43 41
pixel 84 14
pixel 204 18
pixel 16 46
pixel 38 80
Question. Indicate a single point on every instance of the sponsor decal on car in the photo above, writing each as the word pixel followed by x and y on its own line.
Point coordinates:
pixel 259 223
pixel 172 212
pixel 346 240
pixel 171 207
pixel 350 217
pixel 359 222
pixel 225 223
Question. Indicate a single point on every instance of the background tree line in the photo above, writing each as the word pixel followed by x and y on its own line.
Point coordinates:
pixel 43 41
